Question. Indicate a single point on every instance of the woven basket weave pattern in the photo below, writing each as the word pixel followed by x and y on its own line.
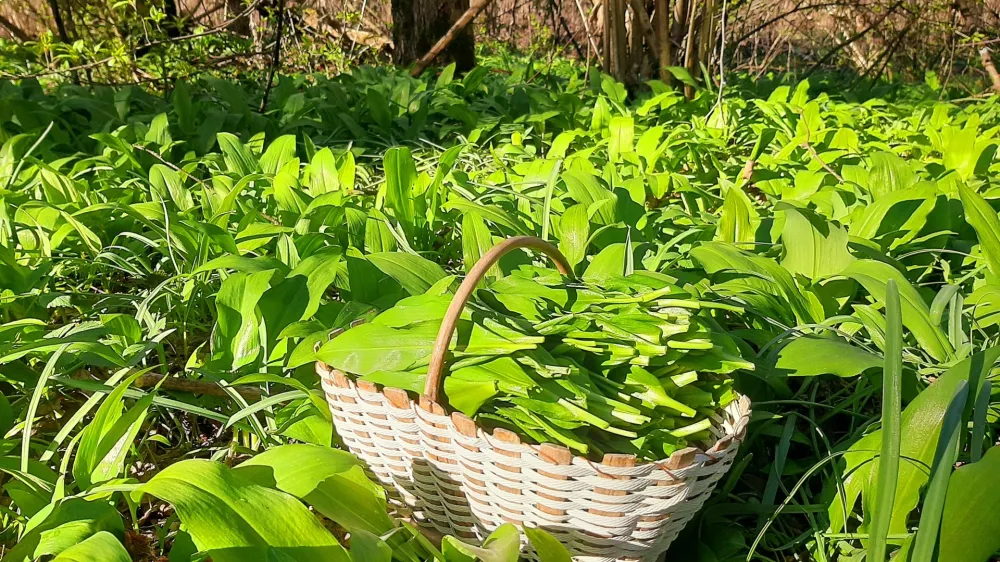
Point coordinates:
pixel 450 476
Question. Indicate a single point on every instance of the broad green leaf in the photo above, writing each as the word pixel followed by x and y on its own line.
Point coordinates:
pixel 101 546
pixel 298 296
pixel 476 241
pixel 587 189
pixel 280 152
pixel 332 481
pixel 622 133
pixel 235 520
pixel 547 547
pixel 368 348
pixel 970 532
pixel 840 358
pixel 738 220
pixel 574 233
pixel 608 263
pixel 238 157
pixel 238 322
pixel 414 273
pixel 814 247
pixel 873 275
pixel 400 176
pixel 168 181
pixel 984 219
pixel 323 174
pixel 379 108
pixel 159 130
pixel 920 427
pixel 718 256
pixel 105 441
pixel 367 547
pixel 899 215
pixel 63 524
pixel 503 545
pixel 889 173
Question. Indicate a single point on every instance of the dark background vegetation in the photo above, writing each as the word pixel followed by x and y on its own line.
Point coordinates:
pixel 155 42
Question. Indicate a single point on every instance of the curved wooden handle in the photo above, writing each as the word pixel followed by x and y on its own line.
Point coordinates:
pixel 432 388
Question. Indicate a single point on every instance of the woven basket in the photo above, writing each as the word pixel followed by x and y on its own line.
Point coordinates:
pixel 451 477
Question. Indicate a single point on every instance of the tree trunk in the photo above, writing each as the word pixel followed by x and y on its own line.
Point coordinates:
pixel 690 54
pixel 663 35
pixel 418 24
pixel 14 30
pixel 60 25
pixel 616 46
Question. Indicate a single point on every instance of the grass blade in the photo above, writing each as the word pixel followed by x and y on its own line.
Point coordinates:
pixel 888 467
pixel 547 206
pixel 781 454
pixel 979 422
pixel 937 487
pixel 36 397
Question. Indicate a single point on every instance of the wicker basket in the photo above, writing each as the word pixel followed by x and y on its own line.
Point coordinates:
pixel 449 476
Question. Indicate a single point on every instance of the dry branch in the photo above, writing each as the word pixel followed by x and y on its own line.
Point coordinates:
pixel 443 42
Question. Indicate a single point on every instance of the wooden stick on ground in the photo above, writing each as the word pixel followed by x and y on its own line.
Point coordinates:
pixel 179 384
pixel 442 44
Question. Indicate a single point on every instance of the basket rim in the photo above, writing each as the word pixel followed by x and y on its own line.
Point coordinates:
pixel 739 409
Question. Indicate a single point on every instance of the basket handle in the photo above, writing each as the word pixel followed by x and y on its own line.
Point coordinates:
pixel 435 372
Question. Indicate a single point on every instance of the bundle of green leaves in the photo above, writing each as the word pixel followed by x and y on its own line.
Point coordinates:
pixel 633 365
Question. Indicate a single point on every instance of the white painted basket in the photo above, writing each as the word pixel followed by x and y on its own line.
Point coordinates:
pixel 450 477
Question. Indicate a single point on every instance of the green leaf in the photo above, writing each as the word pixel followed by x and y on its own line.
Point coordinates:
pixel 281 151
pixel 898 215
pixel 400 175
pixel 546 546
pixel 945 455
pixel 738 221
pixel 105 442
pixel 299 295
pixel 159 130
pixel 238 157
pixel 892 382
pixel 379 108
pixel 414 273
pixel 798 358
pixel 101 546
pixel 333 482
pixel 323 174
pixel 970 532
pixel 889 173
pixel 587 189
pixel 622 133
pixel 920 426
pixel 476 241
pixel 503 545
pixel 873 275
pixel 235 520
pixel 168 181
pixel 62 524
pixel 607 264
pixel 719 256
pixel 574 233
pixel 368 348
pixel 237 322
pixel 814 247
pixel 681 74
pixel 984 219
pixel 366 547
